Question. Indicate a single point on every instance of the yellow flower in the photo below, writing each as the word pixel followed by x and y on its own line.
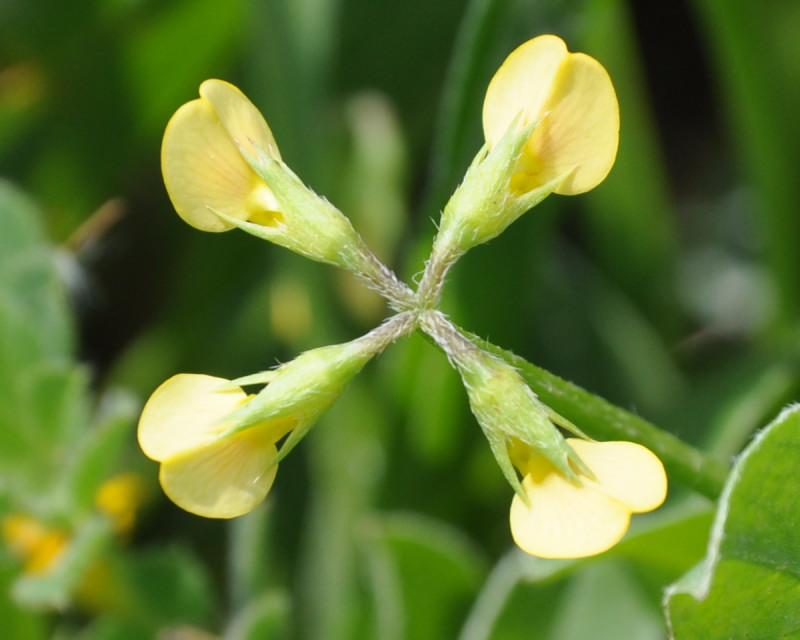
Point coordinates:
pixel 217 445
pixel 200 472
pixel 120 498
pixel 551 121
pixel 571 97
pixel 222 169
pixel 204 169
pixel 563 519
pixel 40 547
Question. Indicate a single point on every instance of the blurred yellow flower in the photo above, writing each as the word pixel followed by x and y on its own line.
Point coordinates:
pixel 571 97
pixel 201 472
pixel 202 162
pixel 120 498
pixel 38 546
pixel 563 519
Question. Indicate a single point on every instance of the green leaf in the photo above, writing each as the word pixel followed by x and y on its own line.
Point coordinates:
pixel 166 586
pixel 403 552
pixel 100 449
pixel 16 622
pixel 29 280
pixel 605 602
pixel 42 420
pixel 629 219
pixel 39 401
pixel 666 544
pixel 749 583
pixel 753 63
pixel 197 26
pixel 433 427
pixel 55 402
pixel 264 618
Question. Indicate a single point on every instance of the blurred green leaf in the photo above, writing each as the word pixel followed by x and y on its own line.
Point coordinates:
pixel 757 390
pixel 167 57
pixel 266 617
pixel 605 602
pixel 101 447
pixel 754 60
pixel 633 343
pixel 512 604
pixel 290 50
pixel 373 175
pixel 166 587
pixel 14 621
pixel 346 460
pixel 42 404
pixel 29 284
pixel 55 396
pixel 251 555
pixel 403 552
pixel 466 80
pixel 749 583
pixel 42 429
pixel 629 216
pixel 433 427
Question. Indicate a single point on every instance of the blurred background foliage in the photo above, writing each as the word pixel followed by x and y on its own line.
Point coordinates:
pixel 671 290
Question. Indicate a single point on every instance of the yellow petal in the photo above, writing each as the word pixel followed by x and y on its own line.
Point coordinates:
pixel 580 126
pixel 626 471
pixel 203 169
pixel 522 84
pixel 572 96
pixel 243 122
pixel 183 413
pixel 564 520
pixel 224 479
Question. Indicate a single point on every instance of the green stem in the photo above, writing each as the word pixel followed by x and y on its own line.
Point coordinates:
pixel 602 420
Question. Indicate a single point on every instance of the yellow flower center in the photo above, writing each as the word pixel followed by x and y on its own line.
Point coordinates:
pixel 262 207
